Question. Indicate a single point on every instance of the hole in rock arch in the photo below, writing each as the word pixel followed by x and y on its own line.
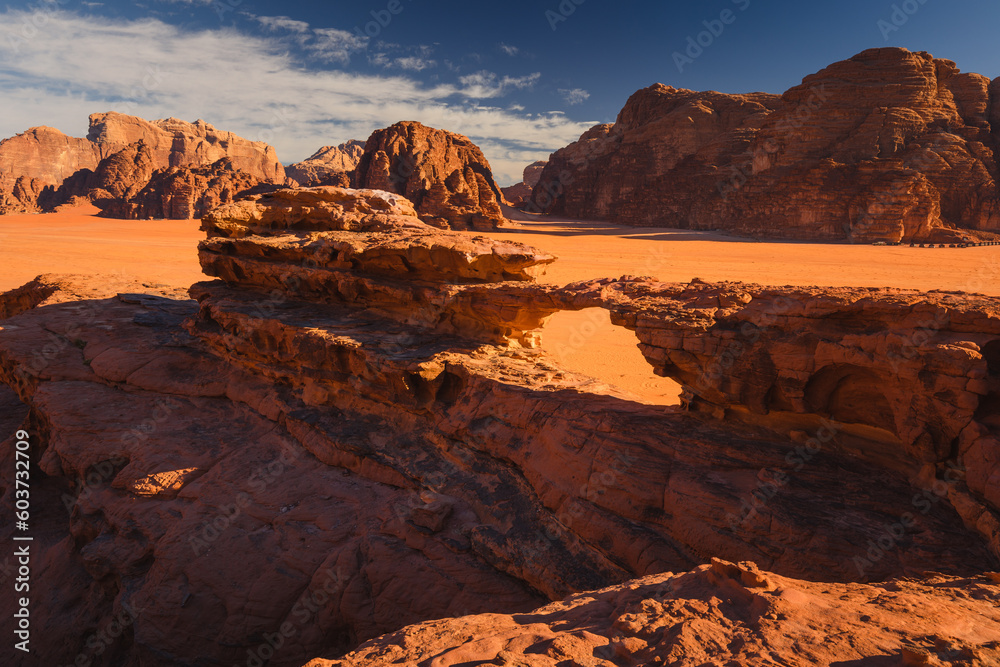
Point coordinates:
pixel 991 352
pixel 851 395
pixel 586 342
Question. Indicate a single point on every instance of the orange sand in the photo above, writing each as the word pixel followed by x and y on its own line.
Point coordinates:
pixel 163 251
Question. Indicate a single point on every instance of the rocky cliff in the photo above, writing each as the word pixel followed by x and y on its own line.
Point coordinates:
pixel 329 163
pixel 519 194
pixel 44 168
pixel 352 430
pixel 445 175
pixel 889 145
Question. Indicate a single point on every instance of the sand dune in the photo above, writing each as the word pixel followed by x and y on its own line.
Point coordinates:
pixel 163 251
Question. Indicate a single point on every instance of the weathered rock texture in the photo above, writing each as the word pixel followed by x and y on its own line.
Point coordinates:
pixel 889 145
pixel 44 168
pixel 182 193
pixel 719 614
pixel 330 165
pixel 351 432
pixel 520 194
pixel 445 175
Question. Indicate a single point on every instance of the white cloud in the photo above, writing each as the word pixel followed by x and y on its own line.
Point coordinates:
pixel 254 86
pixel 332 45
pixel 484 84
pixel 509 50
pixel 414 63
pixel 574 95
pixel 282 23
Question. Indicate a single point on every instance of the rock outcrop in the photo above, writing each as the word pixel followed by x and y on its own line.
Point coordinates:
pixel 43 168
pixel 330 165
pixel 718 614
pixel 519 194
pixel 40 158
pixel 353 430
pixel 183 193
pixel 887 146
pixel 445 175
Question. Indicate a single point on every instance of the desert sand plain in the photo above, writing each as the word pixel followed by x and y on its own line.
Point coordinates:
pixel 75 240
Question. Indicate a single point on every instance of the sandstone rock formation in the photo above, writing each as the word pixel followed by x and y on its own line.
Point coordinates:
pixel 444 174
pixel 353 430
pixel 39 158
pixel 718 614
pixel 889 145
pixel 330 165
pixel 182 193
pixel 519 195
pixel 177 143
pixel 44 168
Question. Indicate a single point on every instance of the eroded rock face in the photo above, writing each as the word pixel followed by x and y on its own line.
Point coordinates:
pixel 182 193
pixel 330 165
pixel 178 143
pixel 44 168
pixel 519 195
pixel 889 145
pixel 351 432
pixel 39 158
pixel 445 175
pixel 720 613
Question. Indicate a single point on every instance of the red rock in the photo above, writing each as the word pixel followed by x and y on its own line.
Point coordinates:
pixel 889 145
pixel 445 175
pixel 520 194
pixel 183 193
pixel 327 164
pixel 716 614
pixel 44 168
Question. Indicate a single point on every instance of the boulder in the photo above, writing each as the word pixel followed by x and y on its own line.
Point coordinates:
pixel 445 175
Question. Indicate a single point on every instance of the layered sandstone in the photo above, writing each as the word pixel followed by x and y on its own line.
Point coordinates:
pixel 889 145
pixel 44 168
pixel 519 194
pixel 445 175
pixel 327 166
pixel 357 409
pixel 720 613
pixel 183 193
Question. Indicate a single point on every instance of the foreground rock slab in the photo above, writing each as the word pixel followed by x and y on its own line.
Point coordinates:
pixel 719 614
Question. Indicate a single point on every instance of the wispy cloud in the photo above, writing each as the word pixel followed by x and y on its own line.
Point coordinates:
pixel 276 23
pixel 252 85
pixel 509 50
pixel 332 45
pixel 574 95
pixel 484 84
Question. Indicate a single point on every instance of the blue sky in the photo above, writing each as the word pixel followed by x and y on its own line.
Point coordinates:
pixel 520 78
